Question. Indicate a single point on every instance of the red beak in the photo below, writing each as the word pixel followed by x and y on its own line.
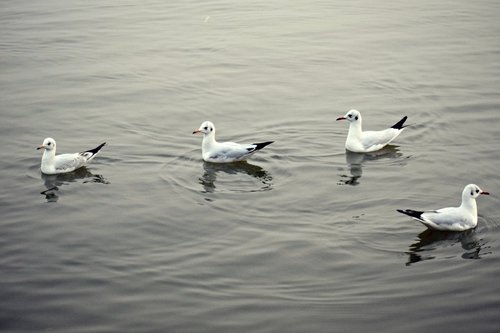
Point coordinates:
pixel 196 131
pixel 484 192
pixel 341 118
pixel 40 147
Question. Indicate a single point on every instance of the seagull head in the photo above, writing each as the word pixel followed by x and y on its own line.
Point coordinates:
pixel 206 128
pixel 352 116
pixel 48 144
pixel 473 191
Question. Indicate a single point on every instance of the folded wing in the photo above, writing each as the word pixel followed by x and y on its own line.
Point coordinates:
pixel 69 162
pixel 375 140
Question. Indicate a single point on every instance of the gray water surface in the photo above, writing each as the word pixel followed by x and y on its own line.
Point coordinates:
pixel 304 237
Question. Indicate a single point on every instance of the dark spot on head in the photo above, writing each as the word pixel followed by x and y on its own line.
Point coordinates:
pixel 471 193
pixel 356 118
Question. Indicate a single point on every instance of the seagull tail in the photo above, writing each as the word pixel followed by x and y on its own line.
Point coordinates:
pixel 259 146
pixel 400 124
pixel 92 152
pixel 412 213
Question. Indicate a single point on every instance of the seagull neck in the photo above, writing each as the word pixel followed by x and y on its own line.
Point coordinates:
pixel 49 154
pixel 355 129
pixel 208 140
pixel 469 203
pixel 48 157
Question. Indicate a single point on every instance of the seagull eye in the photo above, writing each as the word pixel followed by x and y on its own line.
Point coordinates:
pixel 205 128
pixel 356 118
pixel 48 144
pixel 350 116
pixel 477 191
pixel 471 193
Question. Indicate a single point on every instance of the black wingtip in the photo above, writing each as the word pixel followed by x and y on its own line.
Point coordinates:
pixel 411 213
pixel 261 145
pixel 400 124
pixel 96 149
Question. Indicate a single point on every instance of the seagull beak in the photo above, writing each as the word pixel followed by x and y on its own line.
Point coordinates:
pixel 341 118
pixel 196 131
pixel 40 147
pixel 484 192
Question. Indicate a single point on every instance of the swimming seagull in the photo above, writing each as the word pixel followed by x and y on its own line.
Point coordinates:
pixel 368 141
pixel 224 152
pixel 451 218
pixel 52 164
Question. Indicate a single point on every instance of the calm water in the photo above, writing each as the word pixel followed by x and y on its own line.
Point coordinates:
pixel 303 237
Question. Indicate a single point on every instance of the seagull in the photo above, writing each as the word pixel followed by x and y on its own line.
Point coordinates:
pixel 451 218
pixel 224 152
pixel 52 164
pixel 368 141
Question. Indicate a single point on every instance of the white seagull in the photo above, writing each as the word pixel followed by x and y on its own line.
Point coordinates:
pixel 52 164
pixel 368 141
pixel 224 152
pixel 451 218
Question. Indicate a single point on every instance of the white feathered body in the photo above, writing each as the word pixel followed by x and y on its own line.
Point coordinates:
pixel 451 218
pixel 54 164
pixel 225 152
pixel 459 218
pixel 369 141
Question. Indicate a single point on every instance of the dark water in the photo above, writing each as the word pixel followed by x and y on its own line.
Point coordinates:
pixel 303 237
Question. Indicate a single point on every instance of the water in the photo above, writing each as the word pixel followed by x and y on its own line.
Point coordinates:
pixel 302 238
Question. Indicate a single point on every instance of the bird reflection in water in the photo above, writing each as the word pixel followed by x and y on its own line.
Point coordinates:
pixel 53 182
pixel 430 240
pixel 209 177
pixel 355 162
